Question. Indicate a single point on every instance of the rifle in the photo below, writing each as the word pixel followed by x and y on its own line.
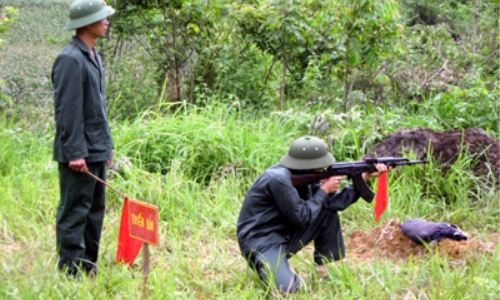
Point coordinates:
pixel 353 171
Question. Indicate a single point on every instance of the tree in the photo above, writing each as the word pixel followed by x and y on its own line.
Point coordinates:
pixel 369 30
pixel 352 35
pixel 169 31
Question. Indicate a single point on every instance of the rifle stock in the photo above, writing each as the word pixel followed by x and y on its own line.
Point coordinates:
pixel 354 171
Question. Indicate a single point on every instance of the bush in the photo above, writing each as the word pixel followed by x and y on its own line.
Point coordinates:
pixel 465 108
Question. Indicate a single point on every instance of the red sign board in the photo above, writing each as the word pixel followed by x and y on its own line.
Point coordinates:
pixel 143 222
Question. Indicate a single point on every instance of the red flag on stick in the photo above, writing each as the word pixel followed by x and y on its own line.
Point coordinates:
pixel 381 198
pixel 128 247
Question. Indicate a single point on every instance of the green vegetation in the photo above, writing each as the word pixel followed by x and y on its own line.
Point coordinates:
pixel 195 150
pixel 198 256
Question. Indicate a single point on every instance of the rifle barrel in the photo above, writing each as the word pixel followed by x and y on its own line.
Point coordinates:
pixel 413 162
pixel 386 160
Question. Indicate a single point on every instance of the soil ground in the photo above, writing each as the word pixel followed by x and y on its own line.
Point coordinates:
pixel 388 242
pixel 446 148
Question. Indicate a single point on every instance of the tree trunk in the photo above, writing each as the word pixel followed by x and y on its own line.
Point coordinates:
pixel 346 80
pixel 283 84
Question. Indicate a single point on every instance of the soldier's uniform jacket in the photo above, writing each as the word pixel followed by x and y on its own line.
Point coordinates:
pixel 82 128
pixel 273 208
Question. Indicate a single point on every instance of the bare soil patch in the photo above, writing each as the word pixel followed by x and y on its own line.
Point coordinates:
pixel 388 242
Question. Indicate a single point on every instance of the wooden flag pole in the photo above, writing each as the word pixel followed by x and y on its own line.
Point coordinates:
pixel 145 268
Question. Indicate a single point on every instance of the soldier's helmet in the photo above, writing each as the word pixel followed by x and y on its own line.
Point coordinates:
pixel 307 153
pixel 86 12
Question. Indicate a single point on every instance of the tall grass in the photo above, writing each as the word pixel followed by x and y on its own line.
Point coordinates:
pixel 196 165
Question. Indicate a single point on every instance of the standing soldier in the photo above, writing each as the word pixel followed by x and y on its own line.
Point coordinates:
pixel 83 138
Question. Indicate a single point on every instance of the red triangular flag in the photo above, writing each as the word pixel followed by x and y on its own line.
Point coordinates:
pixel 381 198
pixel 128 247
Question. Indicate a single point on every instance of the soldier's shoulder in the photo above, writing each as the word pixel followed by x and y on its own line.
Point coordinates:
pixel 277 172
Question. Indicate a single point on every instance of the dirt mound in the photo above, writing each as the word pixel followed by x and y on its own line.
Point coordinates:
pixel 388 242
pixel 446 146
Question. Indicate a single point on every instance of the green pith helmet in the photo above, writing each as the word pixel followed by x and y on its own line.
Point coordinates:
pixel 307 153
pixel 86 12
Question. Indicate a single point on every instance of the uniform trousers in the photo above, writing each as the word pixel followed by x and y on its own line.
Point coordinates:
pixel 80 216
pixel 271 262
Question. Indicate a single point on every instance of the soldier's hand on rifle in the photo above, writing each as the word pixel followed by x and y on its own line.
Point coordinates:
pixel 332 184
pixel 381 168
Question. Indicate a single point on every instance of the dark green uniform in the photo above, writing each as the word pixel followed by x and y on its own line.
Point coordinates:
pixel 277 220
pixel 82 131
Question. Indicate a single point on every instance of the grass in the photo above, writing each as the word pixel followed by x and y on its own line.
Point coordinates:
pixel 198 257
pixel 196 165
pixel 33 43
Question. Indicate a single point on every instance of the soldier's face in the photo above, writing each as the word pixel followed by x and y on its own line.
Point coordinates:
pixel 98 29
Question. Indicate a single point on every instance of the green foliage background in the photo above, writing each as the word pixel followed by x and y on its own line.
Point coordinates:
pixel 245 93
